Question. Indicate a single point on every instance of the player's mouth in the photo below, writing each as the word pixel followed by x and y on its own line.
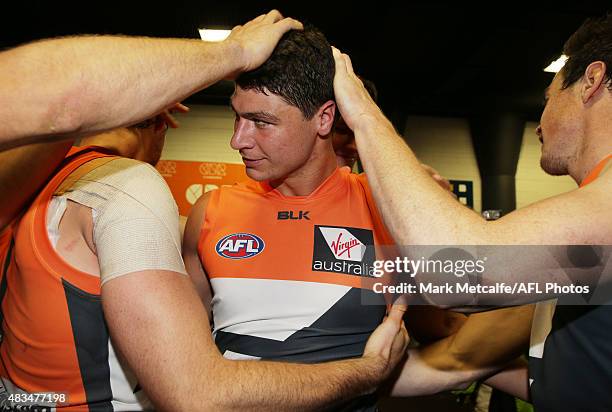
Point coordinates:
pixel 251 162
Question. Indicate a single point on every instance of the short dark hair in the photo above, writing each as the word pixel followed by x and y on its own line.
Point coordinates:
pixel 591 42
pixel 300 70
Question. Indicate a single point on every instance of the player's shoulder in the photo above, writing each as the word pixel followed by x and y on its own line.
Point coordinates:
pixel 125 165
pixel 362 180
pixel 128 175
pixel 202 202
pixel 126 182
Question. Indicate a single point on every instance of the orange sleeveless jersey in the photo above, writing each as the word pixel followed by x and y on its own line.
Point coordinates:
pixel 291 275
pixel 55 338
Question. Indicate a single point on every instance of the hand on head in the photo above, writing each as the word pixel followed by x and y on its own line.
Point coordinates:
pixel 352 98
pixel 258 37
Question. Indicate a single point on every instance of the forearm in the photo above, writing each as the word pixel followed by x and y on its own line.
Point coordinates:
pixel 74 86
pixel 513 380
pixel 484 344
pixel 259 385
pixel 23 170
pixel 418 377
pixel 392 168
pixel 419 212
pixel 195 376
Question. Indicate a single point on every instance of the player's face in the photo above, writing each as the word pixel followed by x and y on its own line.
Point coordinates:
pixel 272 136
pixel 560 127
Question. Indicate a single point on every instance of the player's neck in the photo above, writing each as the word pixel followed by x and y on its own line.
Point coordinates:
pixel 305 180
pixel 594 152
pixel 121 141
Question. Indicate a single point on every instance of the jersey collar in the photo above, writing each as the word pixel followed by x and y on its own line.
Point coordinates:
pixel 594 174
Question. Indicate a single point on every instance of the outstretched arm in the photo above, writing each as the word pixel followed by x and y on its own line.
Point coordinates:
pixel 182 370
pixel 401 188
pixel 69 87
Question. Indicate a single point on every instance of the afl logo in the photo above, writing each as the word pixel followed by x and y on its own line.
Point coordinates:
pixel 240 246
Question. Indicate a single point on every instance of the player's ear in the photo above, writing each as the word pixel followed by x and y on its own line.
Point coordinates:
pixel 594 80
pixel 325 117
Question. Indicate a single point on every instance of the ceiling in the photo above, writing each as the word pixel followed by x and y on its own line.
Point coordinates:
pixel 426 57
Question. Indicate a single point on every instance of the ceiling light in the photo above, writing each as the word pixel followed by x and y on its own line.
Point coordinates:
pixel 557 65
pixel 213 35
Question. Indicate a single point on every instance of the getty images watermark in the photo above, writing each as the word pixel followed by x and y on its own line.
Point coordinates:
pixel 492 275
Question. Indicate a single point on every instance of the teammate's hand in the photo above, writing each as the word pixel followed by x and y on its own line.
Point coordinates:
pixel 352 98
pixel 167 115
pixel 258 37
pixel 387 344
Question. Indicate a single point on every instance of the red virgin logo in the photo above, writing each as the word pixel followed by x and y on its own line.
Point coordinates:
pixel 343 244
pixel 340 247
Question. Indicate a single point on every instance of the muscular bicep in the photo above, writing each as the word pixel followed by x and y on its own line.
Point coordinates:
pixel 191 256
pixel 539 248
pixel 578 217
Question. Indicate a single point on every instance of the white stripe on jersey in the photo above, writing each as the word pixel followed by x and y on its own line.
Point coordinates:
pixel 123 381
pixel 228 354
pixel 251 306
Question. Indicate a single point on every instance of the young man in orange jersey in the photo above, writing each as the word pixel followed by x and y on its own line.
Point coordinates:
pixel 286 252
pixel 97 266
pixel 571 361
pixel 283 261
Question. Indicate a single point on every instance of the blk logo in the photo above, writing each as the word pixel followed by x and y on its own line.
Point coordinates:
pixel 240 246
pixel 291 215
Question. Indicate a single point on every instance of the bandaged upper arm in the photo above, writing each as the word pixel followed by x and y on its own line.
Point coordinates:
pixel 136 221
